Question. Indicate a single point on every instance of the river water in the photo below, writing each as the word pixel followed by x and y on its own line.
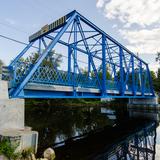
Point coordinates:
pixel 81 133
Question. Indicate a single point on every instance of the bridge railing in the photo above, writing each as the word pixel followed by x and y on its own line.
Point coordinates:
pixel 47 75
pixel 53 76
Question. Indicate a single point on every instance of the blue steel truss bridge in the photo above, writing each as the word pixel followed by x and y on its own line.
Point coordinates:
pixel 93 64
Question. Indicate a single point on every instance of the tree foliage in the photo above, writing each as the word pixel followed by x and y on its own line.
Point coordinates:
pixel 7 149
pixel 100 74
pixel 1 64
pixel 53 60
pixel 156 80
pixel 158 57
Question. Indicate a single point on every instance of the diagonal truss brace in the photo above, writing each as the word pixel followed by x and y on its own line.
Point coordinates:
pixel 42 57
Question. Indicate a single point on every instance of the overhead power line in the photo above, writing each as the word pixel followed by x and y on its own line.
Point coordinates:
pixel 24 43
pixel 14 40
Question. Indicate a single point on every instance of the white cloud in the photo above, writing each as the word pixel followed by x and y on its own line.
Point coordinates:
pixel 142 41
pixel 114 26
pixel 141 12
pixel 144 13
pixel 100 3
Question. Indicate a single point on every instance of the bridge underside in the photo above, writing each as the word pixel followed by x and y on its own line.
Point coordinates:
pixel 91 64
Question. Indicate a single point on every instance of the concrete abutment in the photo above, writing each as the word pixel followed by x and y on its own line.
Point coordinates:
pixel 144 108
pixel 12 123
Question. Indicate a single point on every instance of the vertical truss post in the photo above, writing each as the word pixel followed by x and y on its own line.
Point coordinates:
pixel 141 79
pixel 75 55
pixel 69 63
pixel 75 46
pixel 121 71
pixel 40 50
pixel 44 43
pixel 133 77
pixel 150 80
pixel 89 65
pixel 103 65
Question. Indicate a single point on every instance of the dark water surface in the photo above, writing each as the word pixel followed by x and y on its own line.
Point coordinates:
pixel 81 133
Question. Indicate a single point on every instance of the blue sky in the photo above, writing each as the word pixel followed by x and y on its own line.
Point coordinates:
pixel 123 21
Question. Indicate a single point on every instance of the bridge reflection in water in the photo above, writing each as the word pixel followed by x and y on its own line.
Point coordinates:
pixel 84 133
pixel 138 146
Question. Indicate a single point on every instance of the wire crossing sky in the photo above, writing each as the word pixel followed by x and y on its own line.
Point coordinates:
pixel 135 24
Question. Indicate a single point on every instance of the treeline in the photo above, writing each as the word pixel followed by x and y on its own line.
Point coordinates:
pixel 156 80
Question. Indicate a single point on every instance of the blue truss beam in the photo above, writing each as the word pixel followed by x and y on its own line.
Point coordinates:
pixel 128 73
pixel 107 36
pixel 44 54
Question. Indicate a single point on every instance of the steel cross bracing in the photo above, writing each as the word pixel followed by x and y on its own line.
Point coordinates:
pixel 109 69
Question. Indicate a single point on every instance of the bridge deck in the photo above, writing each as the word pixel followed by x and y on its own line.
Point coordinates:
pixel 34 90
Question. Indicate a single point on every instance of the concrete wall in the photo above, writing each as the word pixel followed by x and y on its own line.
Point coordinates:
pixel 144 101
pixel 3 90
pixel 12 123
pixel 11 114
pixel 144 108
pixel 11 110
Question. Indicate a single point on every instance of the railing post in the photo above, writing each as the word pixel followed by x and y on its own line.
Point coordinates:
pixel 103 65
pixel 121 71
pixel 133 77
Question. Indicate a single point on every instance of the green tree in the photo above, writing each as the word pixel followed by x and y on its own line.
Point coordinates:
pixel 108 75
pixel 154 80
pixel 84 71
pixel 1 64
pixel 158 74
pixel 8 149
pixel 153 75
pixel 52 60
pixel 158 57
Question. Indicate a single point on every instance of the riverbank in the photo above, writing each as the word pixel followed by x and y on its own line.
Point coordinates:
pixel 74 102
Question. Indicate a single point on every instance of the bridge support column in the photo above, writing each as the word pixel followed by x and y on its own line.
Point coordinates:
pixel 144 108
pixel 12 124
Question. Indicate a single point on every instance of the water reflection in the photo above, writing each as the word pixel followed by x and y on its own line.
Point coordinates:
pixel 109 113
pixel 93 133
pixel 57 124
pixel 137 146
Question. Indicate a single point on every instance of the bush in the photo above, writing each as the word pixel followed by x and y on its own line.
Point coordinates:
pixel 26 153
pixel 8 150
